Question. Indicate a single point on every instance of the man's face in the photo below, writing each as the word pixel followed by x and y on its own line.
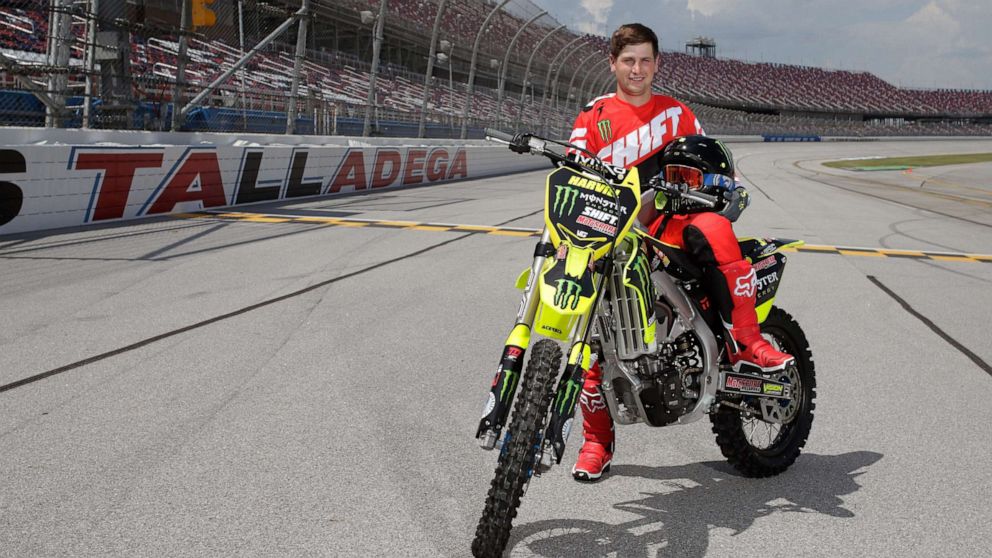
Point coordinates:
pixel 635 68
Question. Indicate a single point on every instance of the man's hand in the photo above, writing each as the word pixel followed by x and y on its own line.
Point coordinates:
pixel 736 202
pixel 521 143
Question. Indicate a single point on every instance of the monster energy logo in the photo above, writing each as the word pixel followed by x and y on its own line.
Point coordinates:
pixel 640 267
pixel 565 394
pixel 509 378
pixel 567 290
pixel 605 130
pixel 565 196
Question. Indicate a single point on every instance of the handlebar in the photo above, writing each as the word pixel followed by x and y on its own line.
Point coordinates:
pixel 529 143
pixel 587 161
pixel 524 143
pixel 502 137
pixel 683 192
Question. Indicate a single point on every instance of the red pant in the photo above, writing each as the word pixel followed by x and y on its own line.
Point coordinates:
pixel 708 238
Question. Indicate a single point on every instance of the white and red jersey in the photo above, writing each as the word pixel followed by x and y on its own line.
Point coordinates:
pixel 624 135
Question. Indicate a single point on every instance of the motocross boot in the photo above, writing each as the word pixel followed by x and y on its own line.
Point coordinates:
pixel 748 349
pixel 596 453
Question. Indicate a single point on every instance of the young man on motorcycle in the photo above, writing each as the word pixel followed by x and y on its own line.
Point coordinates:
pixel 635 127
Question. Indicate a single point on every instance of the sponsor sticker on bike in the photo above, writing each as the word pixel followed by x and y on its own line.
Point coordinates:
pixel 513 353
pixel 748 385
pixel 567 291
pixel 565 198
pixel 767 280
pixel 771 389
pixel 763 263
pixel 596 225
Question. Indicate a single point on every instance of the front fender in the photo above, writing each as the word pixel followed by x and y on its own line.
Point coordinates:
pixel 567 289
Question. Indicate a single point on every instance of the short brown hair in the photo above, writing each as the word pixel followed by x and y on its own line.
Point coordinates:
pixel 632 34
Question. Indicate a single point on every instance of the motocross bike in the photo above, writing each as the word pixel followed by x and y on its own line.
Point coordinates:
pixel 619 296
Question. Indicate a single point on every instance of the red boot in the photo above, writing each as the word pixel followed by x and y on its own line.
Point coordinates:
pixel 748 348
pixel 596 453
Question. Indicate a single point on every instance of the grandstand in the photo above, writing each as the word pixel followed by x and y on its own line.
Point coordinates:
pixel 730 96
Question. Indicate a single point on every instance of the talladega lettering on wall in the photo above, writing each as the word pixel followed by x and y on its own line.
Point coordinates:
pixel 55 186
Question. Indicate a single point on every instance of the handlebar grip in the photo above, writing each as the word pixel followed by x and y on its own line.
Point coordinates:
pixel 699 197
pixel 705 199
pixel 496 134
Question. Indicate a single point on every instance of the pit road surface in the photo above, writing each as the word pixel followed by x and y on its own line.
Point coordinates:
pixel 261 387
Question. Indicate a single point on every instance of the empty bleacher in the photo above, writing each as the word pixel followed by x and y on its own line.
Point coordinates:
pixel 731 96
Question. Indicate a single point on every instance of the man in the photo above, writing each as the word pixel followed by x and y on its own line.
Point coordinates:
pixel 630 128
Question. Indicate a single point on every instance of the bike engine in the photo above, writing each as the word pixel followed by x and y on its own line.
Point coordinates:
pixel 674 371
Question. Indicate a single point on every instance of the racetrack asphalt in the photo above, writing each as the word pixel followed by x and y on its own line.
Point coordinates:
pixel 216 387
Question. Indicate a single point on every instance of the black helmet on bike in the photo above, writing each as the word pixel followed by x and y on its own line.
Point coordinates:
pixel 700 163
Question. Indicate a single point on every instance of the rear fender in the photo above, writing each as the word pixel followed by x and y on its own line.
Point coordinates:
pixel 768 261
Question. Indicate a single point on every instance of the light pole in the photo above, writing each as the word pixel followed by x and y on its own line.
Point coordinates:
pixel 301 44
pixel 177 94
pixel 580 68
pixel 506 63
pixel 90 63
pixel 380 21
pixel 523 89
pixel 471 68
pixel 430 68
pixel 606 82
pixel 547 80
pixel 241 72
pixel 442 58
pixel 582 86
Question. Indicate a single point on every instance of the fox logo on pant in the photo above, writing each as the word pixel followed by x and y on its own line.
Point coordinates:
pixel 746 285
pixel 592 401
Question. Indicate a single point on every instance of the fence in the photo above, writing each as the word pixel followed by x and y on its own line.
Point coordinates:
pixel 421 68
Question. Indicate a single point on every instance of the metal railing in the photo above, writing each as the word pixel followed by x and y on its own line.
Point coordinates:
pixel 248 66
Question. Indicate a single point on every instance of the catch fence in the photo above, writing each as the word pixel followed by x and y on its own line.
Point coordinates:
pixel 414 68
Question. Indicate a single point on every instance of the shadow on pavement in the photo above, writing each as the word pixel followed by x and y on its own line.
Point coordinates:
pixel 701 496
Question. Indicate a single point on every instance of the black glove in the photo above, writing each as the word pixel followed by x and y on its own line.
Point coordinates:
pixel 520 143
pixel 736 202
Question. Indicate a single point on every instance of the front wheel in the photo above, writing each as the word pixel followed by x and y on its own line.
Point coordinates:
pixel 517 456
pixel 761 449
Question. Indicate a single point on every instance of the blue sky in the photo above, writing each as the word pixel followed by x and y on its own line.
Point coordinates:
pixel 909 43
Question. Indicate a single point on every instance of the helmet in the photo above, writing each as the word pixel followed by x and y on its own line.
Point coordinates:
pixel 701 163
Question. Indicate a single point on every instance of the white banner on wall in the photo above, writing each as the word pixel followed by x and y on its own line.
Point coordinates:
pixel 69 180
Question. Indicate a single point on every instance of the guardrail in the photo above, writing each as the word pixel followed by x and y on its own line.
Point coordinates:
pixel 64 178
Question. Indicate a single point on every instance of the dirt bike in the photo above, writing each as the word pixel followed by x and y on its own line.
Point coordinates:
pixel 618 296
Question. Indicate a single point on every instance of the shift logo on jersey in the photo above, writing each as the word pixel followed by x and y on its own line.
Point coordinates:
pixel 605 129
pixel 565 196
pixel 629 149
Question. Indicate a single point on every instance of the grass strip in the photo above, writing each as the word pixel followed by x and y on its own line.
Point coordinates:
pixel 900 163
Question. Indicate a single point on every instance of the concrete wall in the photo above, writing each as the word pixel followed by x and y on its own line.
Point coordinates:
pixel 64 178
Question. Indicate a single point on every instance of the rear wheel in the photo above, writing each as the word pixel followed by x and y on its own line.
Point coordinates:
pixel 518 455
pixel 758 448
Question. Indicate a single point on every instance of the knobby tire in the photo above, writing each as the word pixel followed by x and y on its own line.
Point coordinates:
pixel 517 457
pixel 728 423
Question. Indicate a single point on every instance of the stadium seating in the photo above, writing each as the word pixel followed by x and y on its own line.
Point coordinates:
pixel 763 97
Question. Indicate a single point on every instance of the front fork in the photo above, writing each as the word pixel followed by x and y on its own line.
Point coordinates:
pixel 563 408
pixel 512 361
pixel 504 385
